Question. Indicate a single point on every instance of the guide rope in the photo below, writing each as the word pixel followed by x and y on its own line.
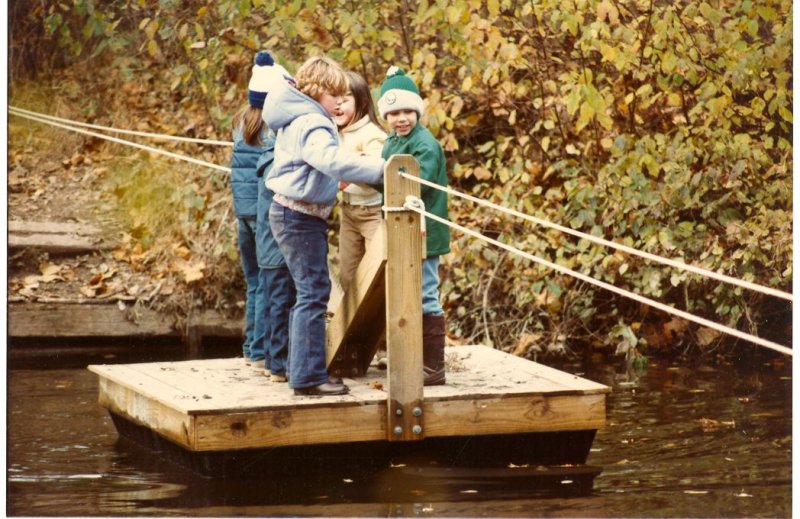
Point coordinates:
pixel 129 143
pixel 624 248
pixel 415 204
pixel 20 111
pixel 636 297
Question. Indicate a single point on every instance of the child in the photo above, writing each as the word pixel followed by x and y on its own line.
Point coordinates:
pixel 360 132
pixel 274 280
pixel 305 175
pixel 274 277
pixel 401 105
pixel 249 142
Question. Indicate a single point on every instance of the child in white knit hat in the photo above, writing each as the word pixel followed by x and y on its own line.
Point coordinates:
pixel 270 291
pixel 402 107
pixel 251 139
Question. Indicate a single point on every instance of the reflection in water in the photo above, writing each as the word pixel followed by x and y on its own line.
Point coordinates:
pixel 710 441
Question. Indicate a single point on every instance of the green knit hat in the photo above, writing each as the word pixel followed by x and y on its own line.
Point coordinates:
pixel 398 92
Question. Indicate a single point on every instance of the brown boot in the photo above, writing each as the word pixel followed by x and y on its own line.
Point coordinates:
pixel 433 349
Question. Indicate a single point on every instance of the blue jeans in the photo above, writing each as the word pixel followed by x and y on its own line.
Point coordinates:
pixel 430 287
pixel 261 330
pixel 303 241
pixel 247 252
pixel 279 286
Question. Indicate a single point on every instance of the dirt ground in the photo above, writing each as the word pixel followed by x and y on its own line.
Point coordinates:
pixel 47 184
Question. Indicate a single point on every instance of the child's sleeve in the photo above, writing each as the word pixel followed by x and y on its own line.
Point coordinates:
pixel 374 145
pixel 321 150
pixel 429 160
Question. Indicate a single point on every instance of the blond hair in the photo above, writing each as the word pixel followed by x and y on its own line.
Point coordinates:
pixel 321 75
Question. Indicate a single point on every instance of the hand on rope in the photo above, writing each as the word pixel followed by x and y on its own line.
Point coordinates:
pixel 414 203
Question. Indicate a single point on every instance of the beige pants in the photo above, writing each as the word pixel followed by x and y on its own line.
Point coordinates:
pixel 358 227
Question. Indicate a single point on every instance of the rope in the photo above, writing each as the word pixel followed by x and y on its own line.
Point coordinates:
pixel 20 111
pixel 412 203
pixel 612 288
pixel 624 248
pixel 415 204
pixel 129 143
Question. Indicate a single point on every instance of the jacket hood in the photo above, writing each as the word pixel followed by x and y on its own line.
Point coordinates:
pixel 286 104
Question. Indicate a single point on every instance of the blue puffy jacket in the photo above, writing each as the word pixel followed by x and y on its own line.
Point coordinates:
pixel 267 251
pixel 244 181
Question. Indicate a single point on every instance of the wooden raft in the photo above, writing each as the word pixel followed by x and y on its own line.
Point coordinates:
pixel 223 405
pixel 493 404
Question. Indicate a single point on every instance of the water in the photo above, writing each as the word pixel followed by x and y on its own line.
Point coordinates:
pixel 711 441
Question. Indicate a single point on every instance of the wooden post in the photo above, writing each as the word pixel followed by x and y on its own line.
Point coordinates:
pixel 403 302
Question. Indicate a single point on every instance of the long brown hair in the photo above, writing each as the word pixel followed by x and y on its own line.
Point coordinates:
pixel 249 120
pixel 362 97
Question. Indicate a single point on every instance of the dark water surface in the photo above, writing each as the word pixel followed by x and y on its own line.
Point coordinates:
pixel 681 441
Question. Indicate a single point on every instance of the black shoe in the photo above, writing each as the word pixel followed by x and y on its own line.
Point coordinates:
pixel 325 389
pixel 432 377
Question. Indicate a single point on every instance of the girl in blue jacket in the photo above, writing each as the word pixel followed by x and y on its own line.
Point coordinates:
pixel 251 140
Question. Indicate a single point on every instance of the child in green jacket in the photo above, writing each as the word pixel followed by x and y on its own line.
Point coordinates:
pixel 401 105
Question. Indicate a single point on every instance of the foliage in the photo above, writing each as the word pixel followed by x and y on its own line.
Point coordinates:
pixel 177 228
pixel 662 125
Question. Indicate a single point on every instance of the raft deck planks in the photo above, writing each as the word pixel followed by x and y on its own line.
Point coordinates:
pixel 222 404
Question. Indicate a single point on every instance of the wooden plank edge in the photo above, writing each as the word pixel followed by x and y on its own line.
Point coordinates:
pixel 29 227
pixel 325 424
pixel 58 243
pixel 290 427
pixel 85 320
pixel 125 377
pixel 133 406
pixel 517 414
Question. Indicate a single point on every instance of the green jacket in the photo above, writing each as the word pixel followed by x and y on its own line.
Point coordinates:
pixel 429 153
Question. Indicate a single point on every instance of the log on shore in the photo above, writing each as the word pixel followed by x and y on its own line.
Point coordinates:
pixel 56 237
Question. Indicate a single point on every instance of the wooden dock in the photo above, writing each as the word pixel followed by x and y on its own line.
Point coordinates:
pixel 56 319
pixel 496 409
